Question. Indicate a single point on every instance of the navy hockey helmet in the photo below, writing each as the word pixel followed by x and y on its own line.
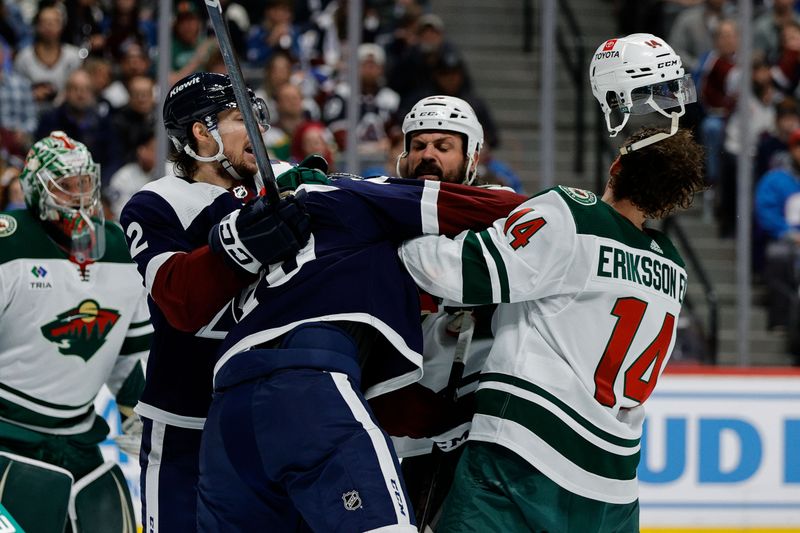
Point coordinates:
pixel 200 97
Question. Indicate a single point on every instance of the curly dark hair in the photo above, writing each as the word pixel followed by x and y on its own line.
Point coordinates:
pixel 662 177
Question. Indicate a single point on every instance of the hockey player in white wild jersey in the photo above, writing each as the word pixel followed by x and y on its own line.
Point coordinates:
pixel 589 300
pixel 73 316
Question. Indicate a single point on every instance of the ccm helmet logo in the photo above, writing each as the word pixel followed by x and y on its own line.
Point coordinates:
pixel 429 113
pixel 184 85
pixel 668 64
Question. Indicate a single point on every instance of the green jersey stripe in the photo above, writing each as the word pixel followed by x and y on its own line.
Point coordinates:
pixel 134 345
pixel 502 273
pixel 557 434
pixel 17 413
pixel 475 272
pixel 135 325
pixel 569 411
pixel 44 404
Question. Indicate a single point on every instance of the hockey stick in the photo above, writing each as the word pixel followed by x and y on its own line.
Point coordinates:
pixel 266 180
pixel 466 331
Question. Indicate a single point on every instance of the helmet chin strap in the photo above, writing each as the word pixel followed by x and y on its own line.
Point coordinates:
pixel 638 145
pixel 219 156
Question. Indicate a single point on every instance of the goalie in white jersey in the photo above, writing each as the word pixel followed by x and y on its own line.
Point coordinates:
pixel 73 316
pixel 589 301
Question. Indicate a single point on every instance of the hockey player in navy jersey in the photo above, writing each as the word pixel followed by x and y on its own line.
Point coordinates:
pixel 190 280
pixel 289 426
pixel 73 317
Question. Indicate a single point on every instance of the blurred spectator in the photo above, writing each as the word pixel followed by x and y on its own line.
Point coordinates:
pixel 691 33
pixel 99 69
pixel 492 170
pixel 313 137
pixel 79 117
pixel 13 28
pixel 135 62
pixel 767 29
pixel 275 32
pixel 11 195
pixel 777 213
pixel 133 121
pixel 191 48
pixel 377 114
pixel 389 165
pixel 773 148
pixel 132 176
pixel 289 115
pixel 48 61
pixel 761 119
pixel 238 25
pixel 450 78
pixel 717 91
pixel 277 72
pixel 123 26
pixel 786 72
pixel 420 60
pixel 84 25
pixel 404 32
pixel 18 118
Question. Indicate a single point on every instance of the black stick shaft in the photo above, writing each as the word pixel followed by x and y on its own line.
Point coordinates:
pixel 267 178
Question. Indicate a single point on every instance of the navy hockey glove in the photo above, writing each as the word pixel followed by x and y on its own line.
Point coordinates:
pixel 311 170
pixel 259 234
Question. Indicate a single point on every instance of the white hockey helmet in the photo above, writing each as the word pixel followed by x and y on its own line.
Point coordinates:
pixel 637 75
pixel 445 113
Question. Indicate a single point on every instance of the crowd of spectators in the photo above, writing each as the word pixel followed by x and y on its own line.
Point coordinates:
pixel 87 67
pixel 706 34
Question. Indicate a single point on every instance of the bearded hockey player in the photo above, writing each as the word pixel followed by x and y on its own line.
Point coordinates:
pixel 73 316
pixel 191 277
pixel 589 300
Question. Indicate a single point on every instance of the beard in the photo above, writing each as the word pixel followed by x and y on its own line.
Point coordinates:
pixel 433 169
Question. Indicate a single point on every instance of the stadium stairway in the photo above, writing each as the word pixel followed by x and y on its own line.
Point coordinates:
pixel 490 35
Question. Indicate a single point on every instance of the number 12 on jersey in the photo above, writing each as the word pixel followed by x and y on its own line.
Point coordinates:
pixel 629 313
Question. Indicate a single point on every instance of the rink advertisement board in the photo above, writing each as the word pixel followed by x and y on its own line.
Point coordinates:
pixel 721 449
pixel 720 452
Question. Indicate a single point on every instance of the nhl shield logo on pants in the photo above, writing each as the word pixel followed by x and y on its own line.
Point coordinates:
pixel 352 500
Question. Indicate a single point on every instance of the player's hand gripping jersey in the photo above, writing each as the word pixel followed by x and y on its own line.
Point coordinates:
pixel 349 270
pixel 590 307
pixel 64 332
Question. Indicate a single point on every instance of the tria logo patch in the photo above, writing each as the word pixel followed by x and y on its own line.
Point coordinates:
pixel 82 330
pixel 352 500
pixel 8 225
pixel 40 280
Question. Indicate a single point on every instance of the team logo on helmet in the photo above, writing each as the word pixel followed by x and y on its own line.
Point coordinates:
pixel 81 330
pixel 579 195
pixel 352 500
pixel 8 225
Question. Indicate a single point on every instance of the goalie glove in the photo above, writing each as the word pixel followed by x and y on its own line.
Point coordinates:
pixel 260 234
pixel 130 440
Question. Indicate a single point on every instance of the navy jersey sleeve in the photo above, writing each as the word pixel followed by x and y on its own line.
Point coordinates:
pixel 168 243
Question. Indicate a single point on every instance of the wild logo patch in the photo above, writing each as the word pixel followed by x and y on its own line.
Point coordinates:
pixel 82 330
pixel 8 225
pixel 579 195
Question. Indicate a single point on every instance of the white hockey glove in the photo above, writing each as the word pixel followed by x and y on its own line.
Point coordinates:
pixel 130 440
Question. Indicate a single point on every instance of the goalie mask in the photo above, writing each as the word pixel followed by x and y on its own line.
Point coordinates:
pixel 199 98
pixel 637 75
pixel 445 113
pixel 61 184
